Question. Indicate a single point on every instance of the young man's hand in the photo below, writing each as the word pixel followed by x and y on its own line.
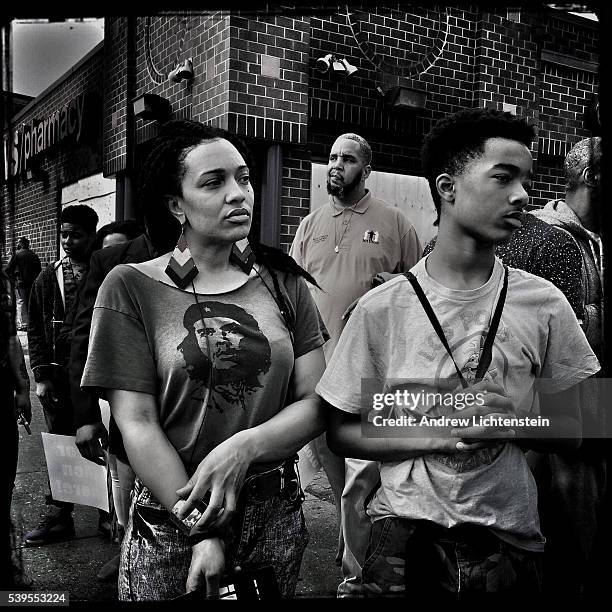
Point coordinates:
pixel 492 402
pixel 489 398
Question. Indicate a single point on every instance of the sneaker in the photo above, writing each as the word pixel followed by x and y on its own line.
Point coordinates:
pixel 110 570
pixel 55 527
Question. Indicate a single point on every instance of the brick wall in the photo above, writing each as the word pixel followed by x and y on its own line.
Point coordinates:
pixel 116 94
pixel 212 89
pixel 256 74
pixel 295 192
pixel 568 82
pixel 268 93
pixel 460 57
pixel 422 49
pixel 506 65
pixel 249 71
pixel 37 199
pixel 551 181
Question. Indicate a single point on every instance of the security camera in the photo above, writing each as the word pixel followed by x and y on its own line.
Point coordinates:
pixel 182 72
pixel 324 63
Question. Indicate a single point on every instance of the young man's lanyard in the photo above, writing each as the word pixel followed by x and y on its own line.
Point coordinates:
pixel 487 349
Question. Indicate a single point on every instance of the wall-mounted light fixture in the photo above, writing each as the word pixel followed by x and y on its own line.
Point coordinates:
pixel 405 97
pixel 336 64
pixel 350 69
pixel 151 107
pixel 182 72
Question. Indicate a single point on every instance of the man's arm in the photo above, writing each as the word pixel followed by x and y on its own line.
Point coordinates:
pixel 345 438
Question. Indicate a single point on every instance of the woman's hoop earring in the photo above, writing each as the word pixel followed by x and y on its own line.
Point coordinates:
pixel 242 255
pixel 181 268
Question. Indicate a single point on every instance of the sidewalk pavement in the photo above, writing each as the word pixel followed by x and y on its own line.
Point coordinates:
pixel 72 565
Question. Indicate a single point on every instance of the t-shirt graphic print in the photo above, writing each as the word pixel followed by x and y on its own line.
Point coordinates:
pixel 229 337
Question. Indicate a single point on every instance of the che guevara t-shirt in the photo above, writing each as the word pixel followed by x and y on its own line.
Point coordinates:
pixel 154 338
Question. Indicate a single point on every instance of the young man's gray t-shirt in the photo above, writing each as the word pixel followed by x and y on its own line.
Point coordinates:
pixel 148 336
pixel 390 337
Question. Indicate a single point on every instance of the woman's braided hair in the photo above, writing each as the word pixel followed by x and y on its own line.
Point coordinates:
pixel 162 174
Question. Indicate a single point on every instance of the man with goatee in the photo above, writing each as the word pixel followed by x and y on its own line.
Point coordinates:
pixel 344 244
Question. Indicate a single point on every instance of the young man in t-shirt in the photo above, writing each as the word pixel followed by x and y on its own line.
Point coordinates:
pixel 457 508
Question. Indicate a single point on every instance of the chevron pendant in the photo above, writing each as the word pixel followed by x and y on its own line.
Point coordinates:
pixel 181 268
pixel 242 255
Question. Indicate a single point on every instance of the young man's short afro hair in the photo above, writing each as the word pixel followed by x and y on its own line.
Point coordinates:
pixel 82 215
pixel 458 138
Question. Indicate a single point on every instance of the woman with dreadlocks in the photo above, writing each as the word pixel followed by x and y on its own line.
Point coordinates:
pixel 197 352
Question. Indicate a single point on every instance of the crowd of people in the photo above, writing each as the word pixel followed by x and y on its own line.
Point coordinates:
pixel 221 357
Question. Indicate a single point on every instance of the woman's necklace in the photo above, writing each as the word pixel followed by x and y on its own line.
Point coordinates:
pixel 336 241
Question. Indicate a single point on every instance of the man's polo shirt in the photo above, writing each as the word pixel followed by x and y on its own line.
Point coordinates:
pixel 371 237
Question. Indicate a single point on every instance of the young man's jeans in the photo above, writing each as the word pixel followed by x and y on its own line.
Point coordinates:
pixel 409 557
pixel 155 556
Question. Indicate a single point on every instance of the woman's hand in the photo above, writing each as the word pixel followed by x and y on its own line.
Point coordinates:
pixel 207 567
pixel 221 472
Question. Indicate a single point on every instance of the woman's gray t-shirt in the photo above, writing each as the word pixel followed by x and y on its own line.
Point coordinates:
pixel 154 338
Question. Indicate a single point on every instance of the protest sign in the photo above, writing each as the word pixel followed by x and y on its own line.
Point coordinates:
pixel 73 478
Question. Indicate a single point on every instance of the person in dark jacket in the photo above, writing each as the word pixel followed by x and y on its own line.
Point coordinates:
pixel 574 488
pixel 53 295
pixel 91 434
pixel 23 268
